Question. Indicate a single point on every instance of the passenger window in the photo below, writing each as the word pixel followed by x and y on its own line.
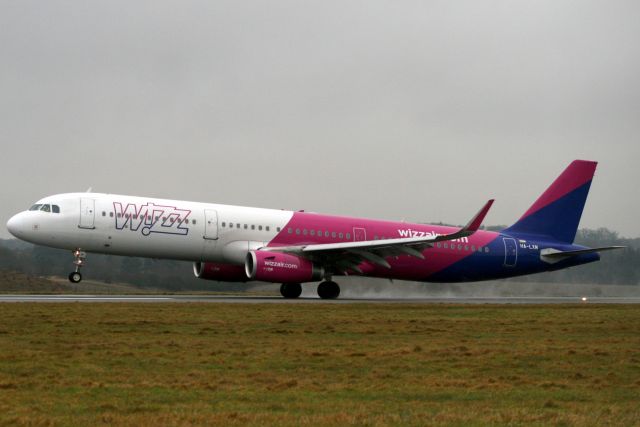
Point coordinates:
pixel 104 213
pixel 55 208
pixel 486 249
pixel 297 231
pixel 473 248
pixel 326 234
pixel 193 221
pixel 111 214
pixel 340 235
pixel 438 244
pixel 333 234
pixel 267 228
pixel 348 236
pixel 290 230
pixel 278 229
pixel 304 232
pixel 253 227
pixel 120 216
pixel 313 232
pixel 446 245
pixel 259 228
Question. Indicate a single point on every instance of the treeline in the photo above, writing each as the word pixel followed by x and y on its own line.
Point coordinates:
pixel 616 267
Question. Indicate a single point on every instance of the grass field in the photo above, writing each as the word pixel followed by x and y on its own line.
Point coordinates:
pixel 316 364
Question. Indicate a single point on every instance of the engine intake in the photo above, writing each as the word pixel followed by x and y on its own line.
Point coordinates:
pixel 219 271
pixel 279 267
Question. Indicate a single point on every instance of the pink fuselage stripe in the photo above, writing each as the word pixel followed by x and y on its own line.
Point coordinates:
pixel 402 267
pixel 577 174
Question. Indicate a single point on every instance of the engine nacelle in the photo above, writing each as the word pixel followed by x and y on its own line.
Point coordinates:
pixel 279 267
pixel 220 272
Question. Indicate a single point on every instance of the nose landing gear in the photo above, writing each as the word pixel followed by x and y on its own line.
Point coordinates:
pixel 79 257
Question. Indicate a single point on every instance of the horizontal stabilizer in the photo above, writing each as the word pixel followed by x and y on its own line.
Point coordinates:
pixel 551 255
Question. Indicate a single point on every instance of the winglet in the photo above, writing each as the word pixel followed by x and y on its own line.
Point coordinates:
pixel 476 221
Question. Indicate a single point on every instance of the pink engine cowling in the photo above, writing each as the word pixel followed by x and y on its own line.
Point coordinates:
pixel 279 267
pixel 221 272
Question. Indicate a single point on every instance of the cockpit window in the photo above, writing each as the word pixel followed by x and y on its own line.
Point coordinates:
pixel 35 207
pixel 46 208
pixel 55 208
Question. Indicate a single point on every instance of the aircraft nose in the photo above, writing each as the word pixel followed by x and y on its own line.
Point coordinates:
pixel 15 225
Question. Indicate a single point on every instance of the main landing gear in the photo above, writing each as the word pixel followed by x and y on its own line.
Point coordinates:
pixel 79 257
pixel 291 290
pixel 326 290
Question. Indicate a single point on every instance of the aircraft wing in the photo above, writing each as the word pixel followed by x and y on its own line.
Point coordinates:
pixel 345 256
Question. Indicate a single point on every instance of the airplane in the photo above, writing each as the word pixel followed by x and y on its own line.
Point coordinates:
pixel 240 244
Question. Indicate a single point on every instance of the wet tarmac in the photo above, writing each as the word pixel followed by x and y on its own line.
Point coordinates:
pixel 235 299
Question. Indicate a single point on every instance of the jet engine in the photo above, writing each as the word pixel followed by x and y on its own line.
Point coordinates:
pixel 278 267
pixel 219 271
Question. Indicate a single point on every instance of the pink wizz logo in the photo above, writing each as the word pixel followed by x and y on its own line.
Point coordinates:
pixel 151 218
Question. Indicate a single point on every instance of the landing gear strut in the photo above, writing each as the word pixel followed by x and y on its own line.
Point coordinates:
pixel 79 256
pixel 291 290
pixel 328 290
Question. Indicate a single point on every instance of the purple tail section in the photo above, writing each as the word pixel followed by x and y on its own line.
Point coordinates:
pixel 557 211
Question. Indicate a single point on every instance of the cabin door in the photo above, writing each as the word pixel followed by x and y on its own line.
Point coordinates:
pixel 510 252
pixel 210 224
pixel 87 213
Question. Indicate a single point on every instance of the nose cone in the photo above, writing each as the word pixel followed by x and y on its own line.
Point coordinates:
pixel 16 225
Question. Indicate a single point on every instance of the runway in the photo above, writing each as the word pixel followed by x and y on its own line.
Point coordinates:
pixel 235 299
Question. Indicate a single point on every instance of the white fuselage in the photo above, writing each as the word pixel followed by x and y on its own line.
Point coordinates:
pixel 148 227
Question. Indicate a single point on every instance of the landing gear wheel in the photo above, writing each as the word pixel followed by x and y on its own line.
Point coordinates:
pixel 328 290
pixel 75 277
pixel 291 290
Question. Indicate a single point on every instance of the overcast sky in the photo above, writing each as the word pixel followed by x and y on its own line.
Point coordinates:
pixel 415 110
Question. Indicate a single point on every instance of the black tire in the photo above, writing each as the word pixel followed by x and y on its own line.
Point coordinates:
pixel 75 277
pixel 328 290
pixel 291 290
